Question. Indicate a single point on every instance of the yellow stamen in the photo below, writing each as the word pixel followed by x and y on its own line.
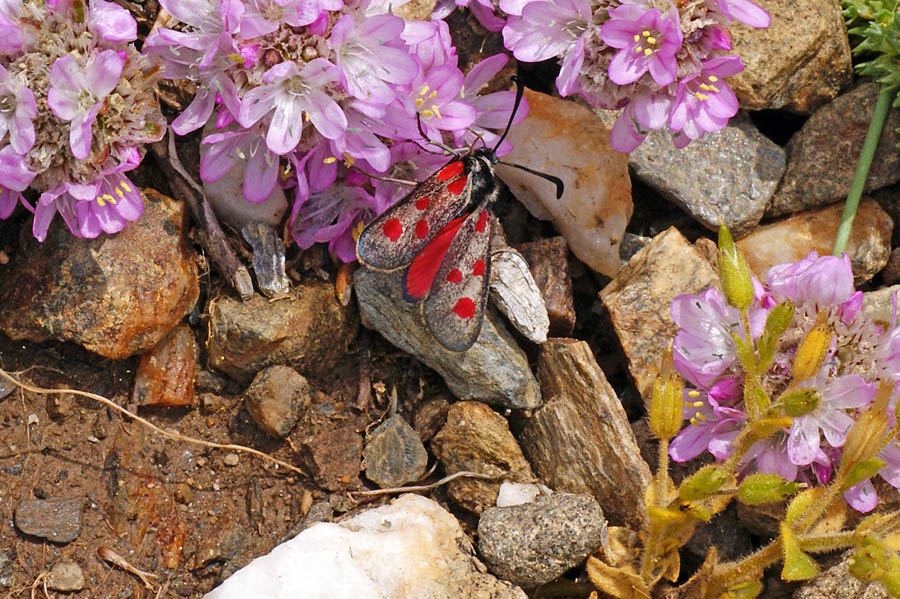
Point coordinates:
pixel 712 78
pixel 427 113
pixel 704 87
pixel 694 422
pixel 701 97
pixel 125 186
pixel 100 201
pixel 419 101
pixel 648 52
pixel 714 88
pixel 329 160
pixel 306 116
pixel 693 393
pixel 437 112
pixel 118 191
pixel 646 33
pixel 638 50
pixel 348 160
pixel 700 417
pixel 637 38
pixel 432 94
pixel 651 40
pixel 424 90
pixel 109 199
pixel 696 404
pixel 236 58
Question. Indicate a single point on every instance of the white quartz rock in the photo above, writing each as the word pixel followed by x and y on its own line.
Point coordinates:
pixel 410 548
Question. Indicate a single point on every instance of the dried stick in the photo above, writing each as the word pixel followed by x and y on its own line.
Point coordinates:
pixel 166 433
pixel 212 238
pixel 149 579
pixel 443 481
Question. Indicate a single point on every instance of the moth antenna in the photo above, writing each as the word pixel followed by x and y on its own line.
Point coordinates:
pixel 560 187
pixel 386 179
pixel 520 91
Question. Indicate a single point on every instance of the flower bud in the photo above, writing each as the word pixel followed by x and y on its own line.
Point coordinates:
pixel 777 322
pixel 702 483
pixel 734 272
pixel 812 352
pixel 666 402
pixel 744 590
pixel 802 502
pixel 867 435
pixel 801 401
pixel 758 489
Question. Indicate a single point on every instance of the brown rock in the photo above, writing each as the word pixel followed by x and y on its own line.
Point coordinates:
pixel 549 265
pixel 115 295
pixel 334 457
pixel 822 155
pixel 800 62
pixel 57 519
pixel 793 238
pixel 891 273
pixel 638 300
pixel 477 439
pixel 579 440
pixel 309 331
pixel 567 140
pixel 165 374
pixel 430 417
pixel 276 398
pixel 394 454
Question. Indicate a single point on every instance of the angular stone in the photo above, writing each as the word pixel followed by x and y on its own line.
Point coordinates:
pixel 309 330
pixel 394 454
pixel 411 548
pixel 165 374
pixel 494 370
pixel 533 543
pixel 822 155
pixel 268 259
pixel 878 305
pixel 65 576
pixel 115 295
pixel 725 177
pixel 799 62
pixel 6 575
pixel 638 300
pixel 515 293
pixel 550 268
pixel 430 417
pixel 566 140
pixel 334 457
pixel 791 239
pixel 579 440
pixel 276 398
pixel 477 439
pixel 57 519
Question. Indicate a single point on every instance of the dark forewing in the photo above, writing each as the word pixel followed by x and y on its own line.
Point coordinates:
pixel 393 239
pixel 454 309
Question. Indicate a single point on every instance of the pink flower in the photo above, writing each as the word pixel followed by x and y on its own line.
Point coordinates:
pixel 704 102
pixel 228 147
pixel 493 109
pixel 15 177
pixel 17 111
pixel 643 113
pixel 546 28
pixel 647 41
pixel 712 426
pixel 77 92
pixel 821 280
pixel 111 22
pixel 745 12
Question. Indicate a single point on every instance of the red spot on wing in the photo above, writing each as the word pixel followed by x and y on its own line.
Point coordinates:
pixel 425 265
pixel 422 203
pixel 464 308
pixel 421 229
pixel 478 268
pixel 392 229
pixel 457 185
pixel 455 276
pixel 451 170
pixel 482 221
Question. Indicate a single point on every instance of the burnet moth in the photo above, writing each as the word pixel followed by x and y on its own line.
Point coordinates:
pixel 440 233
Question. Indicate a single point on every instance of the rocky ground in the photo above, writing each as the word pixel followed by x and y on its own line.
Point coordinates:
pixel 313 376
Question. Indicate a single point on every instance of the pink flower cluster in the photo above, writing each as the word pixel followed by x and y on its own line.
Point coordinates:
pixel 862 356
pixel 77 103
pixel 329 92
pixel 663 62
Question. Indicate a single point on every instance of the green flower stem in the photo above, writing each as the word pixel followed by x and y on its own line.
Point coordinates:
pixel 862 168
pixel 727 574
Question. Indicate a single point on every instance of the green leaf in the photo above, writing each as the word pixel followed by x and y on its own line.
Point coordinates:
pixel 758 489
pixel 702 483
pixel 861 471
pixel 797 564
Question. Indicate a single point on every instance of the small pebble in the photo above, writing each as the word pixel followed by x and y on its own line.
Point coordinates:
pixel 231 459
pixel 66 576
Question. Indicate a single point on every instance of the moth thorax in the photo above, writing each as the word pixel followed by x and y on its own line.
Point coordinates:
pixel 482 173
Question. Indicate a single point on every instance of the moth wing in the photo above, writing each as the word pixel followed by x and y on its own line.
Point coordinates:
pixel 392 240
pixel 454 308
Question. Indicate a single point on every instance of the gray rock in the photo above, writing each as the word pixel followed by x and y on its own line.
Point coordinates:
pixel 494 370
pixel 822 155
pixel 309 330
pixel 268 259
pixel 394 454
pixel 226 542
pixel 276 399
pixel 724 177
pixel 6 575
pixel 57 519
pixel 65 576
pixel 533 543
